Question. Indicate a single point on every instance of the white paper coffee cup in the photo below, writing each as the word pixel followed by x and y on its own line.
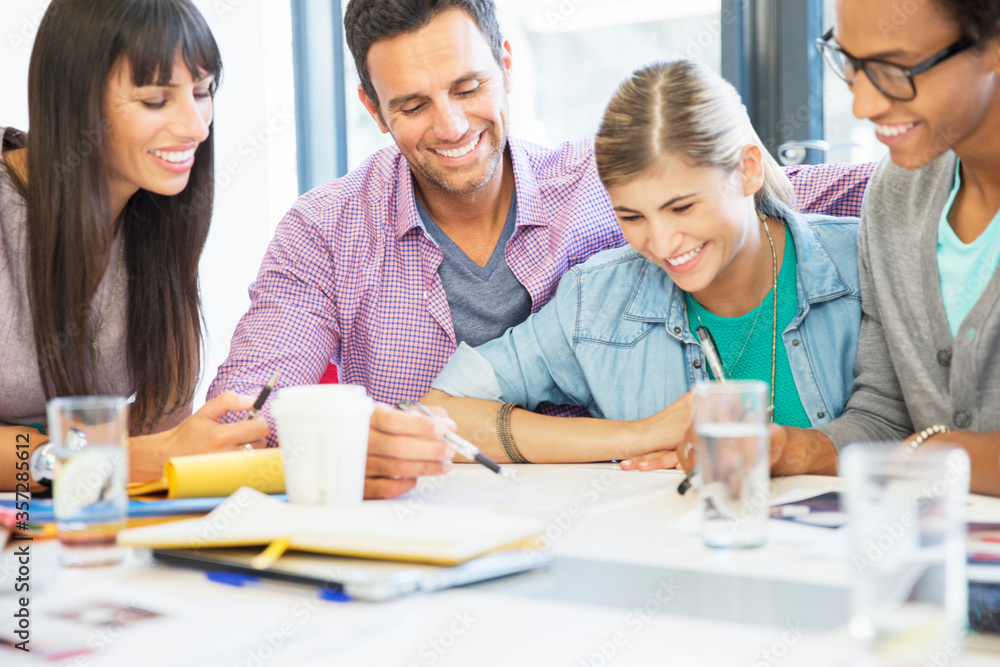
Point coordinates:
pixel 323 437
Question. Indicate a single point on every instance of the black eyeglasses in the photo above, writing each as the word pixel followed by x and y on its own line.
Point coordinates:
pixel 893 81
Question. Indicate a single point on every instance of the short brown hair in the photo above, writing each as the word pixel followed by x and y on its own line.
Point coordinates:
pixel 368 21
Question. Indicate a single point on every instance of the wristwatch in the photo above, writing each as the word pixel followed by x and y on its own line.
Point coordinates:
pixel 42 464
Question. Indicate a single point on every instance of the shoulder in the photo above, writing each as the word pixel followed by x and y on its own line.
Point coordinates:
pixel 368 187
pixel 827 248
pixel 892 185
pixel 833 230
pixel 555 167
pixel 606 277
pixel 611 263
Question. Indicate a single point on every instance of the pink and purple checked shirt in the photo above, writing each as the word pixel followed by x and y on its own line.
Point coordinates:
pixel 351 277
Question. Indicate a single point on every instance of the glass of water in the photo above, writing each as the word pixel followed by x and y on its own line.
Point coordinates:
pixel 734 456
pixel 907 551
pixel 89 436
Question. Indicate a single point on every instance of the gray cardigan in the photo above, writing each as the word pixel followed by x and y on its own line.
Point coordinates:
pixel 910 373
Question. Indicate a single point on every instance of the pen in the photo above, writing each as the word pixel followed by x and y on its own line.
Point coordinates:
pixel 259 403
pixel 711 352
pixel 715 363
pixel 461 445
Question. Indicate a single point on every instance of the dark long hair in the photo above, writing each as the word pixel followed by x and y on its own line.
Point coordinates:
pixel 70 226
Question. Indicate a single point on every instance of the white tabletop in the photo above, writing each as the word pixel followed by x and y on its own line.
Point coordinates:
pixel 631 585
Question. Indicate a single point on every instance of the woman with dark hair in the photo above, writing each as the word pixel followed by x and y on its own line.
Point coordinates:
pixel 927 75
pixel 104 210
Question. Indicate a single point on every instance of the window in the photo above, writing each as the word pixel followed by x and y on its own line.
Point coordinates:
pixel 568 57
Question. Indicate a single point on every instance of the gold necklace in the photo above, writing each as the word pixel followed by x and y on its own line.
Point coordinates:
pixel 774 319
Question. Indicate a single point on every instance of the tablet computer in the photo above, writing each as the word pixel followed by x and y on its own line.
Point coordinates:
pixel 358 578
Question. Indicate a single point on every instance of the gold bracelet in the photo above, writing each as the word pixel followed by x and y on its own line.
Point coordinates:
pixel 504 434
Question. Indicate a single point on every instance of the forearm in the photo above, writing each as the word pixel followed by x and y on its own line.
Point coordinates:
pixel 984 457
pixel 546 439
pixel 16 439
pixel 805 452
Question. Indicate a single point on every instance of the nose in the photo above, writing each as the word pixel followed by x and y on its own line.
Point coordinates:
pixel 869 101
pixel 664 240
pixel 450 123
pixel 193 116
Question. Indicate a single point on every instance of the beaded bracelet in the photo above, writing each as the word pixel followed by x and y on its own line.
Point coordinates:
pixel 923 436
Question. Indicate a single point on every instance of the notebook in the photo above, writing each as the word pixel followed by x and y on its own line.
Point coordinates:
pixel 374 529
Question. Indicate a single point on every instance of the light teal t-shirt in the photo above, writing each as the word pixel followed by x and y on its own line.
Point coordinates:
pixel 745 347
pixel 964 268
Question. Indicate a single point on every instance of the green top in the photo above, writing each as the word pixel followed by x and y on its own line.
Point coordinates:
pixel 730 333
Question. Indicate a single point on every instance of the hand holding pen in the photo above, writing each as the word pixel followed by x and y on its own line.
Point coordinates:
pixel 461 445
pixel 259 403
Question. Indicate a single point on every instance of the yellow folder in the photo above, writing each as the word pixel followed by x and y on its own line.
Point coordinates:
pixel 216 475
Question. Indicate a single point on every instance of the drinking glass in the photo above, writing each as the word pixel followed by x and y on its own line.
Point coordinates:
pixel 731 424
pixel 907 551
pixel 89 436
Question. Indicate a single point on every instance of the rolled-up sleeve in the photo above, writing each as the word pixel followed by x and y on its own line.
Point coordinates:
pixel 530 364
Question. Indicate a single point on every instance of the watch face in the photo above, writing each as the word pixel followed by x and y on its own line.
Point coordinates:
pixel 42 464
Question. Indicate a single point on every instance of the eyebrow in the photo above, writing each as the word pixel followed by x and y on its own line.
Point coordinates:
pixel 666 204
pixel 400 100
pixel 881 55
pixel 174 85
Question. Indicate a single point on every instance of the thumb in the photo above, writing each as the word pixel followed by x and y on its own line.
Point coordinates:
pixel 224 403
pixel 778 438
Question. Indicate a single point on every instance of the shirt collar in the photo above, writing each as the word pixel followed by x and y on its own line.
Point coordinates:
pixel 819 280
pixel 529 203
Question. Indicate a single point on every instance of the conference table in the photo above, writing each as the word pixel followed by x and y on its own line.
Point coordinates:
pixel 630 584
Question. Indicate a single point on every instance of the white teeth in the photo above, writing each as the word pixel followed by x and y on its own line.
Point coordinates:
pixel 464 150
pixel 893 130
pixel 174 156
pixel 686 257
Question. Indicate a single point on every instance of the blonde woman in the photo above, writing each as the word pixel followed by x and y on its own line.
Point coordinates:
pixel 714 241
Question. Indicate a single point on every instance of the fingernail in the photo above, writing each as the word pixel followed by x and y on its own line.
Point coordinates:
pixel 627 463
pixel 644 464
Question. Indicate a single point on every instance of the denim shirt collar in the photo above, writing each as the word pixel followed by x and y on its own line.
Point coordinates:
pixel 818 280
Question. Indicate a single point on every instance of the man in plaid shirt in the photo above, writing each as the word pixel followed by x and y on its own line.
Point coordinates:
pixel 457 232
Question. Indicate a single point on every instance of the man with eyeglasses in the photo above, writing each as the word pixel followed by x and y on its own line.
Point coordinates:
pixel 928 364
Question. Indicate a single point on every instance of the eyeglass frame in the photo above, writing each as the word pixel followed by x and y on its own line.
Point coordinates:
pixel 861 64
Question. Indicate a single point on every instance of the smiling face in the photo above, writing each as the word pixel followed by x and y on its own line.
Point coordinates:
pixel 953 98
pixel 154 131
pixel 443 97
pixel 692 222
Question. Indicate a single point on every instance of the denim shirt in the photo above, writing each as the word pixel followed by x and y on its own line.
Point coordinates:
pixel 615 339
